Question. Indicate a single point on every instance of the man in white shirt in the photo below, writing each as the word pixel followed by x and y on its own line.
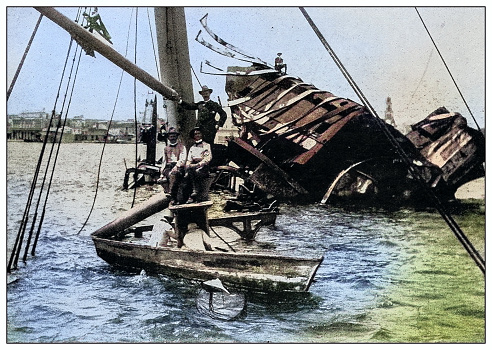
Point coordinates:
pixel 197 166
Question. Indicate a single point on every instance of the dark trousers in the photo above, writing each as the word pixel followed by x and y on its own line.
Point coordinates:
pixel 199 178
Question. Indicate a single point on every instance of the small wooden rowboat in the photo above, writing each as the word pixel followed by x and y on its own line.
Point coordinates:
pixel 250 271
pixel 243 269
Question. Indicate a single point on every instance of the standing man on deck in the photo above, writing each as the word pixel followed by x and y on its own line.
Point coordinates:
pixel 279 64
pixel 207 110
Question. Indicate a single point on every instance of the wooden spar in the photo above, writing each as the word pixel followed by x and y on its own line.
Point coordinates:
pixel 174 61
pixel 105 49
pixel 136 214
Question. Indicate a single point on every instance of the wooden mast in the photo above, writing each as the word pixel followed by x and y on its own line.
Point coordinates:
pixel 174 60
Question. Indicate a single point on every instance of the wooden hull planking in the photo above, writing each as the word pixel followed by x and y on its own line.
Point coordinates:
pixel 244 271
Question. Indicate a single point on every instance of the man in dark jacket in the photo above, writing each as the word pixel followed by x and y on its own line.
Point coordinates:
pixel 207 109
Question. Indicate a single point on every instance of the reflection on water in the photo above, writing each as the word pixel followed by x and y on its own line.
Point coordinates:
pixel 396 276
pixel 220 305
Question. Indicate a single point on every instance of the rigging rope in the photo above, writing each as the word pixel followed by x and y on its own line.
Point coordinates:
pixel 422 77
pixel 153 46
pixel 107 133
pixel 480 262
pixel 21 63
pixel 25 219
pixel 447 68
pixel 57 151
pixel 196 76
pixel 135 175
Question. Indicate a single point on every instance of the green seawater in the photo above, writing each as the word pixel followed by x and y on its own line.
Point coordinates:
pixel 437 294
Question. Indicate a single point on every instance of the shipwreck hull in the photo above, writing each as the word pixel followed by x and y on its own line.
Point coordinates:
pixel 446 141
pixel 296 140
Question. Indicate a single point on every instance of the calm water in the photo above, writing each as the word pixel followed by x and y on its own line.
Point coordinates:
pixel 396 276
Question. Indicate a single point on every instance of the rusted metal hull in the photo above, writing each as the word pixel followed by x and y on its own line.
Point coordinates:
pixel 245 271
pixel 297 140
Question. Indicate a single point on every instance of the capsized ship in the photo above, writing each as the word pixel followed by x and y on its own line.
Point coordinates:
pixel 301 143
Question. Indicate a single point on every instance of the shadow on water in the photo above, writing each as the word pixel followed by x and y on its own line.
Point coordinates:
pixel 282 303
pixel 266 304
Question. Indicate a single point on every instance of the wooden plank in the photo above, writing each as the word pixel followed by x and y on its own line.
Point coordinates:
pixel 325 137
pixel 287 105
pixel 330 117
pixel 191 206
pixel 136 214
pixel 315 111
pixel 248 231
pixel 271 165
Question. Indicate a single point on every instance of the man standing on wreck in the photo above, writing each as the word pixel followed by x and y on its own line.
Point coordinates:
pixel 207 109
pixel 279 64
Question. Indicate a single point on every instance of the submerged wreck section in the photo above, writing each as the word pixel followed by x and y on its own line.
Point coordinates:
pixel 301 143
pixel 446 141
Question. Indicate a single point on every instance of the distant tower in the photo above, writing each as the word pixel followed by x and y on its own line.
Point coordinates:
pixel 388 114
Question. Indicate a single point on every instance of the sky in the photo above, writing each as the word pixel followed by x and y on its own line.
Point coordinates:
pixel 386 50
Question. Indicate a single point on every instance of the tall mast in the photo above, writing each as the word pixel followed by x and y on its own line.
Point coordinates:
pixel 174 60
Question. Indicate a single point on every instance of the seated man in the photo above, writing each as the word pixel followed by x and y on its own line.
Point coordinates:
pixel 173 164
pixel 197 166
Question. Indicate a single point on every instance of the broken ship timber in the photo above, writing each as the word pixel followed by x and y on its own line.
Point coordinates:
pixel 300 143
pixel 303 144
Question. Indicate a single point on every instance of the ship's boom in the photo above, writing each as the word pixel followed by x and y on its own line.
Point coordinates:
pixel 105 49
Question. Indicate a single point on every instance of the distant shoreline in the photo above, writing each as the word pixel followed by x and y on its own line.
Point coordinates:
pixel 472 190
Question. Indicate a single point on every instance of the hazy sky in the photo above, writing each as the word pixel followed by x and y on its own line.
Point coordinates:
pixel 386 50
